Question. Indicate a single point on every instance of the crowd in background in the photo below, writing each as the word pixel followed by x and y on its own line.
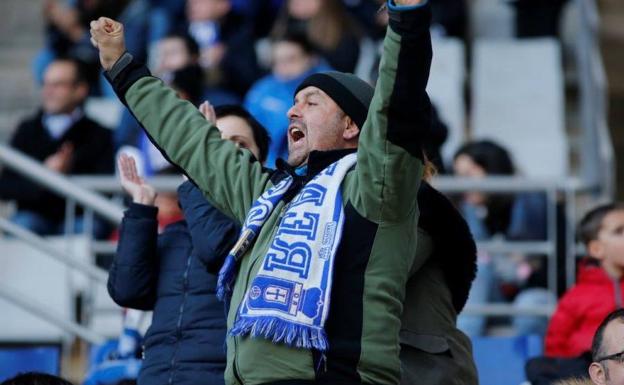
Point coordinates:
pixel 254 54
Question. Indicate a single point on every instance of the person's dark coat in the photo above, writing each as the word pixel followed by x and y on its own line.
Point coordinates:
pixel 92 154
pixel 168 273
pixel 433 350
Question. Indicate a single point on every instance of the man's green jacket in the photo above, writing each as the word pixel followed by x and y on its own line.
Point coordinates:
pixel 378 244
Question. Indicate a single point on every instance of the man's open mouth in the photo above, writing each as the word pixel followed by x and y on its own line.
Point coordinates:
pixel 295 133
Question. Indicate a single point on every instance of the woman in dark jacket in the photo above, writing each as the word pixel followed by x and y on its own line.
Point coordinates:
pixel 174 273
pixel 168 273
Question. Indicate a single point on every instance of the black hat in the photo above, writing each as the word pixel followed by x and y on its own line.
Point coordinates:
pixel 352 94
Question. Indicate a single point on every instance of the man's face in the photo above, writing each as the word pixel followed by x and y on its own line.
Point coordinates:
pixel 290 60
pixel 207 10
pixel 61 93
pixel 610 372
pixel 236 129
pixel 316 123
pixel 609 245
pixel 464 166
pixel 172 55
pixel 304 9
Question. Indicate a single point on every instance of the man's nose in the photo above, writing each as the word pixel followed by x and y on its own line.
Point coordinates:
pixel 293 112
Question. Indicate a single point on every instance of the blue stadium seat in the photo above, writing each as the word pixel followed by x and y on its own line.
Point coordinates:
pixel 15 359
pixel 500 360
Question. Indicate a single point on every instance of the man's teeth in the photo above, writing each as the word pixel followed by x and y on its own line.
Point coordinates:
pixel 296 133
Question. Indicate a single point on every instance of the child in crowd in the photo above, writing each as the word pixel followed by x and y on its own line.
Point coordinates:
pixel 599 286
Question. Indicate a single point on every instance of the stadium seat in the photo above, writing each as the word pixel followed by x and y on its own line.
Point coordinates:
pixel 518 101
pixel 15 359
pixel 500 360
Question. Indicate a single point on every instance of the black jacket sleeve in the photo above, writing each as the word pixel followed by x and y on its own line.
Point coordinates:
pixel 133 276
pixel 213 233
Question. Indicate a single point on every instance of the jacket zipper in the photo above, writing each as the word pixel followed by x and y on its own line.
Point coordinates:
pixel 178 332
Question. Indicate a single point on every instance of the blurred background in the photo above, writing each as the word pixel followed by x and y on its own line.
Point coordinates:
pixel 527 136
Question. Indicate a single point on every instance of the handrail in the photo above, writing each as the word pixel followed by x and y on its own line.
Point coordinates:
pixel 60 184
pixel 109 184
pixel 43 312
pixel 40 243
pixel 501 309
pixel 448 184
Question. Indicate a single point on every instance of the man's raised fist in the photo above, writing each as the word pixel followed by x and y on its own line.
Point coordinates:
pixel 107 36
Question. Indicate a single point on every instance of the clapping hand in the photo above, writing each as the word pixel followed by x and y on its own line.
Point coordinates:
pixel 208 111
pixel 132 183
pixel 61 160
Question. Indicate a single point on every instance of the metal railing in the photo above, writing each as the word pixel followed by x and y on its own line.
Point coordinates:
pixel 556 192
pixel 60 184
pixel 74 194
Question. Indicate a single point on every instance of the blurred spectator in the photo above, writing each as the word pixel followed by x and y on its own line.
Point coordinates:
pixel 226 44
pixel 328 27
pixel 268 100
pixel 520 216
pixel 149 269
pixel 33 378
pixel 367 14
pixel 173 52
pixel 67 33
pixel 119 366
pixel 260 13
pixel 537 18
pixel 175 60
pixel 165 17
pixel 600 284
pixel 607 353
pixel 184 82
pixel 65 141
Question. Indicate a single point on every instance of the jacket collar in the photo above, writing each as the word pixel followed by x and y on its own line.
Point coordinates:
pixel 317 162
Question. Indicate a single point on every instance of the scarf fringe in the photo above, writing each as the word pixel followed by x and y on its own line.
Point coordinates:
pixel 280 331
pixel 226 278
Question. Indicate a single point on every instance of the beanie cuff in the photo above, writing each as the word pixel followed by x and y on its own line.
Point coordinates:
pixel 340 94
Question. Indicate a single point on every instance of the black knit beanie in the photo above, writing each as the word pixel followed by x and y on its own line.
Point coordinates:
pixel 352 94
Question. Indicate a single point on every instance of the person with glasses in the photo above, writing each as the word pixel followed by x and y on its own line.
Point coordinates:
pixel 607 367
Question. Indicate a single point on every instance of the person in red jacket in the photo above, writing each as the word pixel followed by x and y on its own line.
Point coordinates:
pixel 600 286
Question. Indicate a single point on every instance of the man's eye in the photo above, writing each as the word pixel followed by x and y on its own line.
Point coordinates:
pixel 312 104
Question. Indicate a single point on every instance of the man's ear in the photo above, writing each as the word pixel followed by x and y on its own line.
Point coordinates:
pixel 351 131
pixel 595 249
pixel 597 374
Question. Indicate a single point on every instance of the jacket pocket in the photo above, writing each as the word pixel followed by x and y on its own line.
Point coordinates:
pixel 426 342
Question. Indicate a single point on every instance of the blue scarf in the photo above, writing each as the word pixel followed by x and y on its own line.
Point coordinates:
pixel 288 300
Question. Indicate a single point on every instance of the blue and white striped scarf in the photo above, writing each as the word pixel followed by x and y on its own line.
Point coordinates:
pixel 288 300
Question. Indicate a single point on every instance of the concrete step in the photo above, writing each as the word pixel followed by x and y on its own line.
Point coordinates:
pixel 21 22
pixel 18 89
